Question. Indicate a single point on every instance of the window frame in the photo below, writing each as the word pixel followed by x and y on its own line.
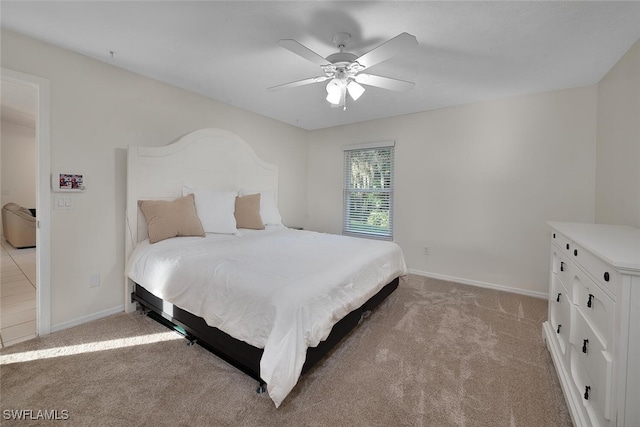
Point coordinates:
pixel 347 190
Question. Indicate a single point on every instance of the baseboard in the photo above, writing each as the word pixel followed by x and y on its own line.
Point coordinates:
pixel 480 284
pixel 87 318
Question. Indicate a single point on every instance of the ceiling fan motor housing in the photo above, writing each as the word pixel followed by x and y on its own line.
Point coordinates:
pixel 343 65
pixel 339 57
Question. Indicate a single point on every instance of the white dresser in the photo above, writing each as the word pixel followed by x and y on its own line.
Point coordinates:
pixel 593 328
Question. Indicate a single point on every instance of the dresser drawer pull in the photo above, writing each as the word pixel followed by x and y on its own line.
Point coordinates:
pixel 587 389
pixel 554 235
pixel 606 276
pixel 567 246
pixel 558 330
pixel 561 265
pixel 584 346
pixel 590 301
pixel 575 252
pixel 558 297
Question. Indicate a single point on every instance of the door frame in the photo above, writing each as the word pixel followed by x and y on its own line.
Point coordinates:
pixel 43 194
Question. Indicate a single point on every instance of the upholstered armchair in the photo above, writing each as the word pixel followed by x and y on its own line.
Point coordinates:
pixel 19 226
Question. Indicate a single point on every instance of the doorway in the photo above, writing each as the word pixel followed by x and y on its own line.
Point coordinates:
pixel 40 87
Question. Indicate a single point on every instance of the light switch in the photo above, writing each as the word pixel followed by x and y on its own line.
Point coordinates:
pixel 63 203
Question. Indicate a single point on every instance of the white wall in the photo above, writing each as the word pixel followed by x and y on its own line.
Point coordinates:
pixel 97 111
pixel 475 183
pixel 618 143
pixel 18 145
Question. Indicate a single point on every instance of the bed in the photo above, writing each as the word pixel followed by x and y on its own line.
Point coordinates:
pixel 270 300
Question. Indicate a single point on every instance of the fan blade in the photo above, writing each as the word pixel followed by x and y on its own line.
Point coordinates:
pixel 302 51
pixel 384 82
pixel 387 49
pixel 299 83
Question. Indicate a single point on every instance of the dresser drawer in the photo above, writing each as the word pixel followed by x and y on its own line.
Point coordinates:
pixel 560 313
pixel 596 306
pixel 561 266
pixel 561 241
pixel 593 369
pixel 594 397
pixel 601 271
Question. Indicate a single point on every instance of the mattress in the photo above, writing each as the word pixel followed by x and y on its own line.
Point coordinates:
pixel 278 289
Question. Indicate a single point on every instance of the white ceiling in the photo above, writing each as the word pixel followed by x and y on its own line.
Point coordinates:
pixel 227 50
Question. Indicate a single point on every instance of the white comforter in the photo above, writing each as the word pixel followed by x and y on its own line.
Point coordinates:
pixel 277 289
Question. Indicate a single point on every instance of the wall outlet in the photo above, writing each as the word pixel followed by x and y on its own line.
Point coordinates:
pixel 94 280
pixel 426 250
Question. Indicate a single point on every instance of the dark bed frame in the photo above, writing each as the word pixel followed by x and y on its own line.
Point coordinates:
pixel 238 353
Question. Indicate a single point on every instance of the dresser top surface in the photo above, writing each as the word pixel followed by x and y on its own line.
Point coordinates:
pixel 617 245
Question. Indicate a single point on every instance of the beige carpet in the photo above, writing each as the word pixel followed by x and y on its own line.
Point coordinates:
pixel 434 354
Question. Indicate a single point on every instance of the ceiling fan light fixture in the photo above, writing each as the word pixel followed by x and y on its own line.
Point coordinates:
pixel 334 91
pixel 334 98
pixel 355 90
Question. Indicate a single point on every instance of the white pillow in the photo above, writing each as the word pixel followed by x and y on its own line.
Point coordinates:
pixel 268 209
pixel 215 209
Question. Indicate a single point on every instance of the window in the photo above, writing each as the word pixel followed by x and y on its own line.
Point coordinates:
pixel 368 191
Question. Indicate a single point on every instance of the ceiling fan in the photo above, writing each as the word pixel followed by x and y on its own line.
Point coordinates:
pixel 344 69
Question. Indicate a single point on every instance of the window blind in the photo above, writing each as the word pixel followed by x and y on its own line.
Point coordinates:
pixel 368 192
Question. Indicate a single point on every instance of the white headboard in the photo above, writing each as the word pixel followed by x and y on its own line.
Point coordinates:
pixel 213 159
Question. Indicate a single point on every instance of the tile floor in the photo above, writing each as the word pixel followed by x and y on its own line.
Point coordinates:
pixel 17 294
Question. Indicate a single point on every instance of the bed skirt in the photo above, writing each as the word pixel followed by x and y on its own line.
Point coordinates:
pixel 238 353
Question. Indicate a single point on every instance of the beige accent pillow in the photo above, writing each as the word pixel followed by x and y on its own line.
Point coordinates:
pixel 247 212
pixel 166 219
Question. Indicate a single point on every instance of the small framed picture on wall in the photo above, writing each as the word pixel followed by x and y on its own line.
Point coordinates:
pixel 62 182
